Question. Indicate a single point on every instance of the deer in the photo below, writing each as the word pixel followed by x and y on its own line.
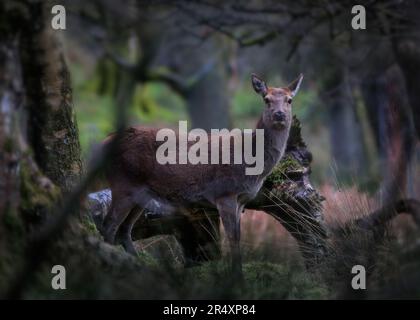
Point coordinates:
pixel 137 180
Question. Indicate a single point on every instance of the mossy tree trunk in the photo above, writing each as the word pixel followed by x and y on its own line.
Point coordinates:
pixel 37 88
pixel 10 90
pixel 52 129
pixel 40 152
pixel 289 196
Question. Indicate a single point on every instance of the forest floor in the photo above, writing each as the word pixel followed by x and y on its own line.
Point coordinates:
pixel 273 267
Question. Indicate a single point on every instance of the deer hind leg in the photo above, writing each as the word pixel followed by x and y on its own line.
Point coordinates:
pixel 120 208
pixel 144 200
pixel 230 214
pixel 125 230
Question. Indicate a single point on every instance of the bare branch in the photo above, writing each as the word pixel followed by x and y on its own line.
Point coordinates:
pixel 380 217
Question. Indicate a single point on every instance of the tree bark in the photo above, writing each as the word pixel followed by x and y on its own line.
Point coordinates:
pixel 10 92
pixel 289 197
pixel 38 135
pixel 52 129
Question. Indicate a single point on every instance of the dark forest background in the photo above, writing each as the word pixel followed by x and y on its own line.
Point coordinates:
pixel 153 63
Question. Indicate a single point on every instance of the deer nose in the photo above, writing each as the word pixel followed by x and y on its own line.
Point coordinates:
pixel 279 116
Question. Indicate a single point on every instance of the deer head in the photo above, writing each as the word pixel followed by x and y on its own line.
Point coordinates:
pixel 278 101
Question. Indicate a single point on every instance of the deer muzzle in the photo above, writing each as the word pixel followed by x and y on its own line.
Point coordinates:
pixel 279 116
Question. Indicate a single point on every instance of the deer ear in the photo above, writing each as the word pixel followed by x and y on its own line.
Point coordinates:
pixel 259 85
pixel 295 85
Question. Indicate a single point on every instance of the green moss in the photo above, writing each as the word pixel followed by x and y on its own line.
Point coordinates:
pixel 89 225
pixel 263 280
pixel 267 280
pixel 146 259
pixel 8 145
pixel 295 135
pixel 13 223
pixel 35 198
pixel 12 246
pixel 279 173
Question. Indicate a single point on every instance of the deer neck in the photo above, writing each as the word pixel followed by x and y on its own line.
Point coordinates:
pixel 275 142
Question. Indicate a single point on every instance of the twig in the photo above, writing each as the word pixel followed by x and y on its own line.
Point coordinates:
pixel 380 217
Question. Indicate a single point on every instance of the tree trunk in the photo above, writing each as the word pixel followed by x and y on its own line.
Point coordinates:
pixel 399 136
pixel 208 102
pixel 290 198
pixel 373 90
pixel 345 130
pixel 205 72
pixel 408 57
pixel 10 92
pixel 38 135
pixel 407 53
pixel 52 129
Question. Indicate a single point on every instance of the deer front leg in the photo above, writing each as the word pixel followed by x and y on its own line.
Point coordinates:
pixel 230 214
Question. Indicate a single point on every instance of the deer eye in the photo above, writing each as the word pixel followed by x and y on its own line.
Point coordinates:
pixel 289 100
pixel 266 100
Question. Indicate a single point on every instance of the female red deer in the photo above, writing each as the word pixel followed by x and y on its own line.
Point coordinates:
pixel 137 179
